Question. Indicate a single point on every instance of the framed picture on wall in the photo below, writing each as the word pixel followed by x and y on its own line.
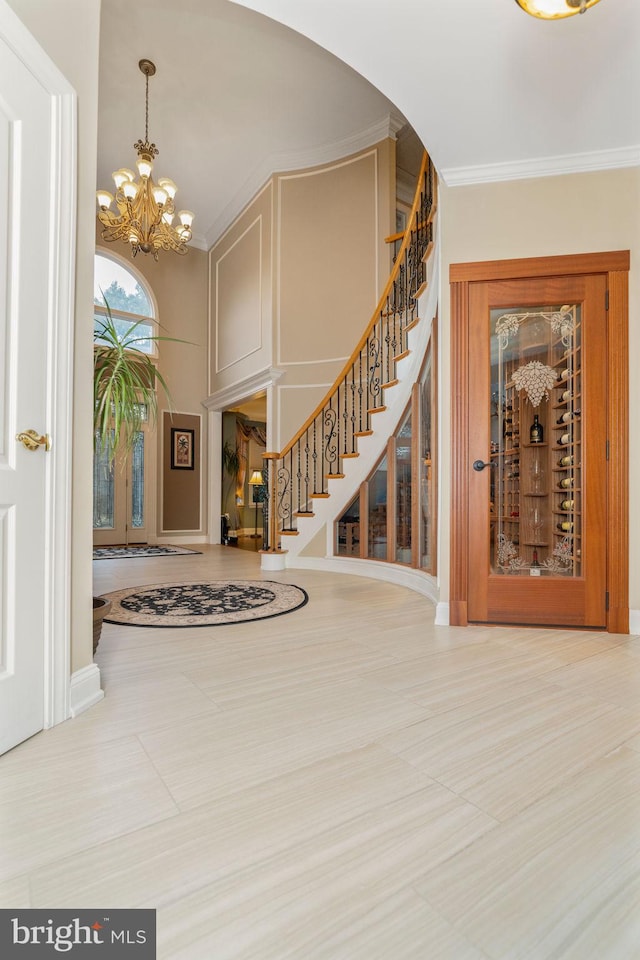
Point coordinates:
pixel 182 456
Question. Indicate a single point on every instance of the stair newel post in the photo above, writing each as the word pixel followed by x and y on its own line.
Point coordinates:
pixel 271 465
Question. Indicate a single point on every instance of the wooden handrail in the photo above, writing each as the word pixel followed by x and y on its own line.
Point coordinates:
pixel 374 319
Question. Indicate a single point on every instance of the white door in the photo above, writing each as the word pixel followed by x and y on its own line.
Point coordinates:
pixel 29 303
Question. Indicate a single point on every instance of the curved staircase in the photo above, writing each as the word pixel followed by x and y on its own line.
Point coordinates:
pixel 319 470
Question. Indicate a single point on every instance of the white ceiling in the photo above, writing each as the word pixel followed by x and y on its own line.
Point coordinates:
pixel 492 92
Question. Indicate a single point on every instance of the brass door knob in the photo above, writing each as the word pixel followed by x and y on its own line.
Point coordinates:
pixel 31 439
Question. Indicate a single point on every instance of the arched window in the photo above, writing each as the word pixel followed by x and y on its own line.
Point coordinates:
pixel 129 299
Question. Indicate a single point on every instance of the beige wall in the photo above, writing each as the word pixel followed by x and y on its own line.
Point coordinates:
pixel 181 486
pixel 296 278
pixel 331 266
pixel 583 213
pixel 179 285
pixel 50 24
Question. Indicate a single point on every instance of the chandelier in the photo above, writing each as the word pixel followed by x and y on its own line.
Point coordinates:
pixel 145 210
pixel 555 9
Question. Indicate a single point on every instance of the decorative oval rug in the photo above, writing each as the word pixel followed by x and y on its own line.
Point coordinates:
pixel 206 603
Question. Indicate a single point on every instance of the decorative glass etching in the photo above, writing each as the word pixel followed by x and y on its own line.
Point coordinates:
pixel 535 448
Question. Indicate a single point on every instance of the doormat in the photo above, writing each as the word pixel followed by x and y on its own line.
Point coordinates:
pixel 208 603
pixel 146 550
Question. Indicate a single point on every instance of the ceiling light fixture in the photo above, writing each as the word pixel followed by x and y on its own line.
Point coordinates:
pixel 145 209
pixel 555 9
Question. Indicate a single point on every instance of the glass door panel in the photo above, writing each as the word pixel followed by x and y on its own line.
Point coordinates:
pixel 377 519
pixel 103 491
pixel 535 414
pixel 403 491
pixel 427 506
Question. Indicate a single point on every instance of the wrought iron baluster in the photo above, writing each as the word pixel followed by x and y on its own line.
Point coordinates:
pixel 345 415
pixel 314 456
pixel 306 472
pixel 298 475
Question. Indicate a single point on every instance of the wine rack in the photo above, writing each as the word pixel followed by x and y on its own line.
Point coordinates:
pixel 566 470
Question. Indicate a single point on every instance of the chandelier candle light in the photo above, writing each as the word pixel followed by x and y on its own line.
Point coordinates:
pixel 145 209
pixel 555 9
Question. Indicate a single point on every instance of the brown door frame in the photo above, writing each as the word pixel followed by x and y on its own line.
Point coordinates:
pixel 615 265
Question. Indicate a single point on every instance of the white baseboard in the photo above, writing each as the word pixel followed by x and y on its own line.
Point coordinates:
pixel 416 580
pixel 85 689
pixel 442 614
pixel 634 622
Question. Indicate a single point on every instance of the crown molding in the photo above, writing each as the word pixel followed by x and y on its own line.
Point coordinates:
pixel 385 128
pixel 542 167
pixel 239 391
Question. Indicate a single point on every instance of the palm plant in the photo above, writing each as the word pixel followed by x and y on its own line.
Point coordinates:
pixel 124 384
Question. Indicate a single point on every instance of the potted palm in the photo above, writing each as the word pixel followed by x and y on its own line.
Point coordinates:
pixel 124 389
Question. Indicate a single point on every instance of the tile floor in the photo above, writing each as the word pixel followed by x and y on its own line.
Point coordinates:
pixel 347 782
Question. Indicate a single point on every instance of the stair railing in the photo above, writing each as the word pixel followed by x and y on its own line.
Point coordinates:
pixel 304 469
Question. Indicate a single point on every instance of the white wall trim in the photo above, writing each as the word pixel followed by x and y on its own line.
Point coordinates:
pixel 384 128
pixel 442 614
pixel 237 392
pixel 634 622
pixel 542 166
pixel 413 579
pixel 85 689
pixel 314 363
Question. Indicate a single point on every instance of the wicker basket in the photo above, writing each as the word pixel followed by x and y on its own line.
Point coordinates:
pixel 101 607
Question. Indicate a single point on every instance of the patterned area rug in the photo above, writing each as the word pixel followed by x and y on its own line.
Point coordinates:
pixel 126 553
pixel 204 604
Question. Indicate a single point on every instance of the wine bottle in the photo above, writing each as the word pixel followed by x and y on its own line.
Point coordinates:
pixel 566 395
pixel 536 432
pixel 564 439
pixel 566 526
pixel 567 504
pixel 566 482
pixel 568 416
pixel 534 558
pixel 564 374
pixel 566 461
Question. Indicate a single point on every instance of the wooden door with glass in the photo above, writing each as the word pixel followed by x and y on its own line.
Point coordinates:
pixel 534 467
